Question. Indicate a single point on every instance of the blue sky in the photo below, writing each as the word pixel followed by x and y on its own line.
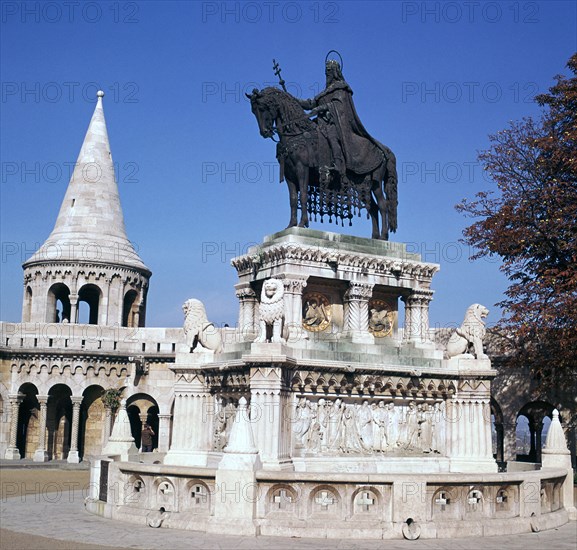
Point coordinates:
pixel 198 184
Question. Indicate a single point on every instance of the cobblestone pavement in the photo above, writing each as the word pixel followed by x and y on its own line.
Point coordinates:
pixel 59 517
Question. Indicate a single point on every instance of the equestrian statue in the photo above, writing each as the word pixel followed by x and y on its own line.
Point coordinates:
pixel 333 167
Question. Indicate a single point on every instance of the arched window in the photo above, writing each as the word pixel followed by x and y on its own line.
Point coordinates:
pixel 129 309
pixel 90 295
pixel 58 305
pixel 27 312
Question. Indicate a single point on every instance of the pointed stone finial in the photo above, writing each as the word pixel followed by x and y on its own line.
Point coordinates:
pixel 90 224
pixel 241 440
pixel 556 442
pixel 121 441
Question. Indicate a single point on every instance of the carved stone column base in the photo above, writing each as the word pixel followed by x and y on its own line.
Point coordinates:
pixel 73 457
pixel 40 456
pixel 359 337
pixel 12 453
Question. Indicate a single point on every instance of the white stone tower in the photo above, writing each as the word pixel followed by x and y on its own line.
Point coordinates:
pixel 88 257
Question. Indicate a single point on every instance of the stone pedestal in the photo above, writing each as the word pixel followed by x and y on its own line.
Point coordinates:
pixel 348 271
pixel 468 418
pixel 270 416
pixel 235 483
pixel 193 412
pixel 556 454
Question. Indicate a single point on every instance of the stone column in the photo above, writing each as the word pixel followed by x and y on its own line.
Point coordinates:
pixel 41 455
pixel 425 297
pixel 247 311
pixel 73 308
pixel 270 415
pixel 143 419
pixel 293 287
pixel 536 428
pixel 12 452
pixel 500 451
pixel 411 330
pixel 107 428
pixel 163 432
pixel 417 316
pixel 510 441
pixel 532 452
pixel 73 457
pixel 356 307
pixel 192 426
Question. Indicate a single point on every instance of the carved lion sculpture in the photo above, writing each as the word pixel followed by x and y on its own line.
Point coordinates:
pixel 199 332
pixel 271 310
pixel 470 334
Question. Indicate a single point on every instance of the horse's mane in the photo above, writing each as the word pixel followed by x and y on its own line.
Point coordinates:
pixel 289 107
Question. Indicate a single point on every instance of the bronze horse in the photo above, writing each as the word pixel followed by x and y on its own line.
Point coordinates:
pixel 279 112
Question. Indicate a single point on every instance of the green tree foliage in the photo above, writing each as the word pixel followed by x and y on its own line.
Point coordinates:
pixel 531 223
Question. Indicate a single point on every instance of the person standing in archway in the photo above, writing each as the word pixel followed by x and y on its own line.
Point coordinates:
pixel 146 438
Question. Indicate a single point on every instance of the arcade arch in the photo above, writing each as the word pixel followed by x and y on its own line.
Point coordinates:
pixel 142 408
pixel 58 303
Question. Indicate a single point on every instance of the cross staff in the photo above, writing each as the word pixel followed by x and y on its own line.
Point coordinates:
pixel 277 70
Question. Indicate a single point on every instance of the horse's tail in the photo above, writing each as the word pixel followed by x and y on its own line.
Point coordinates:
pixel 391 189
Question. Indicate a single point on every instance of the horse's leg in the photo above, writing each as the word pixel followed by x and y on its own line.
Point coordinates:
pixel 303 177
pixel 293 197
pixel 379 195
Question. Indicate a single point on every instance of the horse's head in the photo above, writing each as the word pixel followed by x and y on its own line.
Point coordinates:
pixel 264 112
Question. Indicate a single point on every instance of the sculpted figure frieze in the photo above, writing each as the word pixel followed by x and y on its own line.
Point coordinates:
pixel 332 427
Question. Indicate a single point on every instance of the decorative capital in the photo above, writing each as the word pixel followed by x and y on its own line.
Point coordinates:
pixel 42 399
pixel 76 400
pixel 359 291
pixel 16 398
pixel 418 298
pixel 294 286
pixel 245 293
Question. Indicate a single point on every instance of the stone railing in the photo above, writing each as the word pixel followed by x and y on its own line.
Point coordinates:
pixel 16 337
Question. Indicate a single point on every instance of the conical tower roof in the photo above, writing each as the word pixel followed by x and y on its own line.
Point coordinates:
pixel 90 225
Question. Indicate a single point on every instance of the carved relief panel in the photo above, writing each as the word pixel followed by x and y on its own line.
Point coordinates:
pixel 317 312
pixel 382 317
pixel 324 426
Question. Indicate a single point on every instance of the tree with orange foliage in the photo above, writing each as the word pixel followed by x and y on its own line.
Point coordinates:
pixel 531 223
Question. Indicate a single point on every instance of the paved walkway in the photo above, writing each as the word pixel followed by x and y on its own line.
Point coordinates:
pixel 61 518
pixel 28 463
